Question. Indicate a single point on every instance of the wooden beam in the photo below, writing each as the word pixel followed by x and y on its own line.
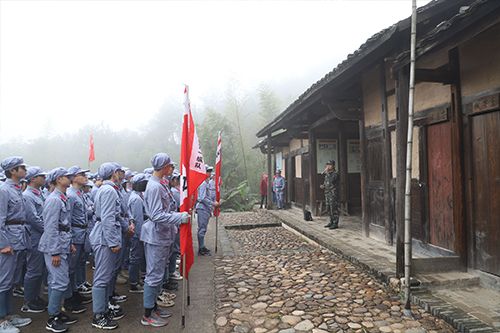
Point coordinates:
pixel 434 75
pixel 312 171
pixel 321 121
pixel 269 175
pixel 343 172
pixel 364 178
pixel 386 156
pixel 457 157
pixel 402 95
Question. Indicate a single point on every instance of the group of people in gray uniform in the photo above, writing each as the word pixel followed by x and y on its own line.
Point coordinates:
pixel 50 222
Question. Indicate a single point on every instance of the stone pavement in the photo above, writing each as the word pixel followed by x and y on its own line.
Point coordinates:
pixel 272 280
pixel 469 309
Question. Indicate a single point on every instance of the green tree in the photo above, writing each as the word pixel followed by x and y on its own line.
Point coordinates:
pixel 269 104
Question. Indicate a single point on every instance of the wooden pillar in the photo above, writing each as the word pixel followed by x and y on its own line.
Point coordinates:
pixel 402 95
pixel 313 186
pixel 269 174
pixel 364 177
pixel 386 156
pixel 342 168
pixel 457 158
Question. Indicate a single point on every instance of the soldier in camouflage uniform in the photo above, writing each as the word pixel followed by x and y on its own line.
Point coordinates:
pixel 331 186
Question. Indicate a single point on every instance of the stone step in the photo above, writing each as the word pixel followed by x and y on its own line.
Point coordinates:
pixel 448 280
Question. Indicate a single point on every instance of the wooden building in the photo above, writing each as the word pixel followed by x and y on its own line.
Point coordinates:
pixel 358 115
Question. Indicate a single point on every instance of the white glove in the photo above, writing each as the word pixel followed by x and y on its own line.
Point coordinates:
pixel 185 217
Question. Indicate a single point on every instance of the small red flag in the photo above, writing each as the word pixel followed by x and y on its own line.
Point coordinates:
pixel 218 181
pixel 91 150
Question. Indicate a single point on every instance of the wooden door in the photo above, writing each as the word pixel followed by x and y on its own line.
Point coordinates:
pixel 441 227
pixel 486 191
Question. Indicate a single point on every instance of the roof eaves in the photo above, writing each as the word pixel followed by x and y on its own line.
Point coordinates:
pixel 358 54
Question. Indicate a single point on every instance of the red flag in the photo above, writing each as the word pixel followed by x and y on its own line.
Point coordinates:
pixel 192 175
pixel 218 180
pixel 91 150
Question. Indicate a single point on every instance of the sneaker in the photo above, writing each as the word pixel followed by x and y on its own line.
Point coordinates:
pixel 205 249
pixel 18 292
pixel 55 324
pixel 125 266
pixel 17 321
pixel 45 290
pixel 73 307
pixel 121 279
pixel 203 253
pixel 113 306
pixel 164 301
pixel 83 289
pixel 168 295
pixel 136 288
pixel 87 284
pixel 119 298
pixel 7 327
pixel 101 320
pixel 162 313
pixel 153 320
pixel 170 285
pixel 40 301
pixel 32 307
pixel 79 298
pixel 175 276
pixel 68 320
pixel 116 314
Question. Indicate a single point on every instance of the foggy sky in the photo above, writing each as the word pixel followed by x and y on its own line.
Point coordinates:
pixel 83 62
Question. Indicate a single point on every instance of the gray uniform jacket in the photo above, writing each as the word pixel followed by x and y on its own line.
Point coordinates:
pixel 205 201
pixel 176 192
pixel 12 209
pixel 137 211
pixel 107 229
pixel 56 237
pixel 162 223
pixel 124 215
pixel 33 204
pixel 211 186
pixel 279 183
pixel 78 215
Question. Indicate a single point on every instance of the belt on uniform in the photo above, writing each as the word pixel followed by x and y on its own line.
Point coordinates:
pixel 124 215
pixel 64 228
pixel 99 219
pixel 15 222
pixel 81 226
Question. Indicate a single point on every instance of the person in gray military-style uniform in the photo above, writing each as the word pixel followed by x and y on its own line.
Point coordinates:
pixel 85 287
pixel 128 231
pixel 211 186
pixel 279 189
pixel 79 224
pixel 13 239
pixel 138 214
pixel 106 241
pixel 56 246
pixel 174 182
pixel 331 186
pixel 204 209
pixel 158 234
pixel 35 264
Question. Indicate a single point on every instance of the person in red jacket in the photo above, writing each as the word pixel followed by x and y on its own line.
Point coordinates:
pixel 263 190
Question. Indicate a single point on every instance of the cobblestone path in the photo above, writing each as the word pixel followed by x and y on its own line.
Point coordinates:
pixel 277 282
